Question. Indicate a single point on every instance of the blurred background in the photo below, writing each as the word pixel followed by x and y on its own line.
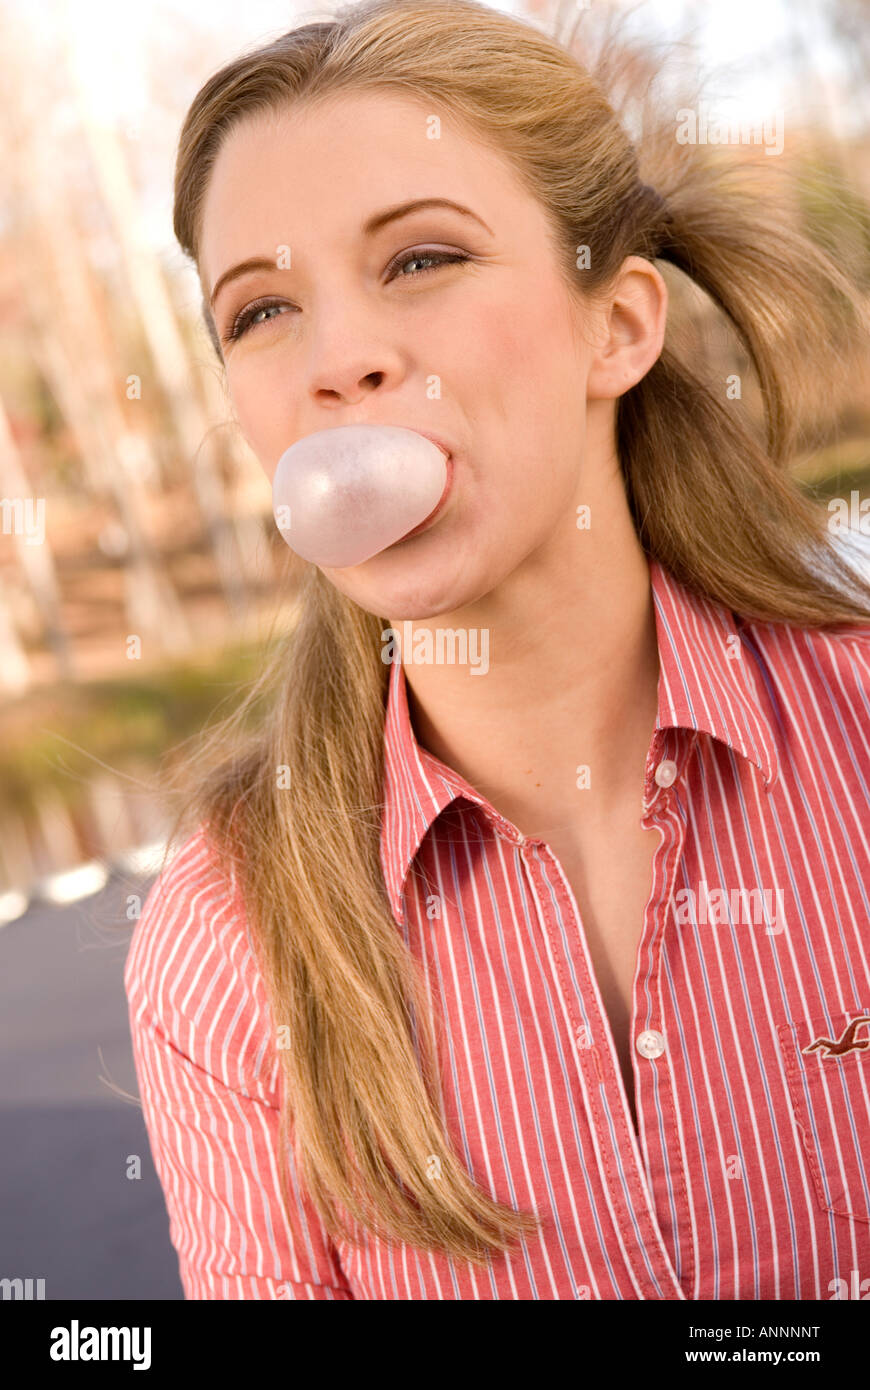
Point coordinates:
pixel 141 572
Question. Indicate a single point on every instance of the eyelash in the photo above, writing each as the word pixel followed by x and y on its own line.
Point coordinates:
pixel 242 322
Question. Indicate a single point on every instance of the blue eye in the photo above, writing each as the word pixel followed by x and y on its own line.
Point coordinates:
pixel 247 316
pixel 245 319
pixel 440 257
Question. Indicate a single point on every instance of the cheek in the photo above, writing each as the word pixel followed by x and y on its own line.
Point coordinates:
pixel 527 333
pixel 531 365
pixel 524 358
pixel 500 340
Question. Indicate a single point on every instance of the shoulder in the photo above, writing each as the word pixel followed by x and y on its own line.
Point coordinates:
pixel 191 972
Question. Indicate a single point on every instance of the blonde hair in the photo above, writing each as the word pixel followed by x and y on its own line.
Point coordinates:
pixel 362 1099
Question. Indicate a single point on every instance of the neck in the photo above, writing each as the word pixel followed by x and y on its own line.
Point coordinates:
pixel 572 679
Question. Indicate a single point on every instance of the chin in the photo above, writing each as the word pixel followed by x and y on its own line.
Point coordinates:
pixel 403 591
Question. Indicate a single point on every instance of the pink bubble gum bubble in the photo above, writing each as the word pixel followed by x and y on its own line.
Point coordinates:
pixel 341 495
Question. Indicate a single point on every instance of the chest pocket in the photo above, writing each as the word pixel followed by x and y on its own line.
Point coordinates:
pixel 827 1062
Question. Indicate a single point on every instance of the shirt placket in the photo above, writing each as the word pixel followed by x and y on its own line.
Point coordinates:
pixel 656 1054
pixel 623 1167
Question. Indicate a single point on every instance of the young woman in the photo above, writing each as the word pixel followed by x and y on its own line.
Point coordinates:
pixel 543 979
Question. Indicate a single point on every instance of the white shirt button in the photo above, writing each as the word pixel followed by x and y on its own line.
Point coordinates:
pixel 649 1043
pixel 666 773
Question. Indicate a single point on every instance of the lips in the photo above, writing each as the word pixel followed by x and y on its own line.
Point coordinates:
pixel 434 438
pixel 442 500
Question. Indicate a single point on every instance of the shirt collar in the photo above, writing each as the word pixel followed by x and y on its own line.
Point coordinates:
pixel 706 684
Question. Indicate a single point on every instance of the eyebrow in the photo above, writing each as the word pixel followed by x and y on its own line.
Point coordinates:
pixel 370 226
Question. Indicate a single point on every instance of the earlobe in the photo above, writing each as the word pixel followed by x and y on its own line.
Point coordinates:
pixel 636 321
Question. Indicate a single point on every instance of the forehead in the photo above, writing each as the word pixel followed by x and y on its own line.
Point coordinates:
pixel 319 168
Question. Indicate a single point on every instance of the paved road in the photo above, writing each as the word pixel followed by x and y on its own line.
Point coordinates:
pixel 69 1214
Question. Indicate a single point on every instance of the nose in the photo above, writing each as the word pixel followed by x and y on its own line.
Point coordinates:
pixel 351 355
pixel 347 384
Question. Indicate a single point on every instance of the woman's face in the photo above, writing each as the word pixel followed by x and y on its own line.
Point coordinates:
pixel 488 353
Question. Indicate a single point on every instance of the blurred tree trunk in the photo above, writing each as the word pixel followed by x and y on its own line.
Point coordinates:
pixel 15 674
pixel 169 353
pixel 79 362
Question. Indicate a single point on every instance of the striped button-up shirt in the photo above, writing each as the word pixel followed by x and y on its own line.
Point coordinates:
pixel 750 1023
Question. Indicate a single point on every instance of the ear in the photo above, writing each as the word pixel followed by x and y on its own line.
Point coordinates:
pixel 634 330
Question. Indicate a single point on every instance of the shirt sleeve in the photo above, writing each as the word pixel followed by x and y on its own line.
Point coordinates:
pixel 210 1085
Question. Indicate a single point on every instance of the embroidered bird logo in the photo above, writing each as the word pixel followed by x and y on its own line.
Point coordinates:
pixel 847 1042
